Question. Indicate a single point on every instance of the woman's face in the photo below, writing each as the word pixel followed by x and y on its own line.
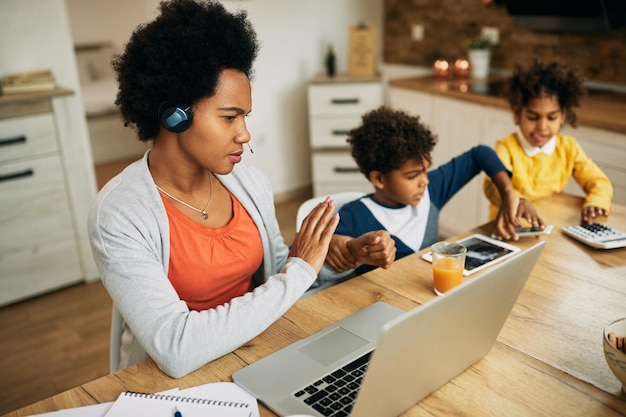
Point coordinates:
pixel 216 136
pixel 541 119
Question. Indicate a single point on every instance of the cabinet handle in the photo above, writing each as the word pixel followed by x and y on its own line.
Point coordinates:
pixel 12 141
pixel 340 132
pixel 345 101
pixel 16 175
pixel 340 170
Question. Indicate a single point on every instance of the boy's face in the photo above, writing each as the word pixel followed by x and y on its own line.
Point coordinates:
pixel 540 120
pixel 405 185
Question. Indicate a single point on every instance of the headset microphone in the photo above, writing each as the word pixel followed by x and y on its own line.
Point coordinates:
pixel 250 147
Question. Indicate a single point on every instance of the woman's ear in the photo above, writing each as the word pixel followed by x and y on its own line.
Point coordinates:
pixel 377 179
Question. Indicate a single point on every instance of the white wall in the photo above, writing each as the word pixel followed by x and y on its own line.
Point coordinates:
pixel 94 21
pixel 294 35
pixel 34 34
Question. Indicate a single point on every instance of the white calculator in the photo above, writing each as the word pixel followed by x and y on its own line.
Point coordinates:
pixel 597 235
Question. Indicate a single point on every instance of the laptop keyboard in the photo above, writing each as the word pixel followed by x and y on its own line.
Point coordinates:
pixel 334 394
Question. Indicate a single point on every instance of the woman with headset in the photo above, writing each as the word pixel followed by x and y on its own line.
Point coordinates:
pixel 186 239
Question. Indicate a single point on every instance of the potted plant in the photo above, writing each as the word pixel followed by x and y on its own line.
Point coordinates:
pixel 479 56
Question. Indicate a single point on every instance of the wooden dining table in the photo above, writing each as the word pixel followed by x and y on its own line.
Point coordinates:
pixel 547 361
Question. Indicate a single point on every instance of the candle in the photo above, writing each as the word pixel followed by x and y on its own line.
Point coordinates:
pixel 461 68
pixel 441 68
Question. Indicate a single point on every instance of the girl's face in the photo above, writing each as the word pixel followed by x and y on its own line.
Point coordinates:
pixel 403 186
pixel 216 136
pixel 541 119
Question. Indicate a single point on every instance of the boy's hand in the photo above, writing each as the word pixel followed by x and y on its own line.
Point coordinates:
pixel 375 248
pixel 339 257
pixel 590 213
pixel 527 211
pixel 507 219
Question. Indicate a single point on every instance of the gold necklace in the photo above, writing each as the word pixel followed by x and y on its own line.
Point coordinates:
pixel 203 211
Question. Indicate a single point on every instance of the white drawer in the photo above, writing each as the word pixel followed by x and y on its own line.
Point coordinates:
pixel 34 204
pixel 331 132
pixel 349 98
pixel 39 250
pixel 336 166
pixel 25 272
pixel 27 136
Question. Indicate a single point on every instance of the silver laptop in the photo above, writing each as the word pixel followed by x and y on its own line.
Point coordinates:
pixel 381 360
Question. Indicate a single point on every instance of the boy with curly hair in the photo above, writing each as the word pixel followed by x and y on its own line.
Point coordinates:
pixel 393 150
pixel 542 97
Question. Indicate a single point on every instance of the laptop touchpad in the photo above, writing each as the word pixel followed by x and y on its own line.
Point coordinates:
pixel 332 346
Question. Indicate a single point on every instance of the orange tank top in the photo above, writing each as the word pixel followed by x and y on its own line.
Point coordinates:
pixel 209 267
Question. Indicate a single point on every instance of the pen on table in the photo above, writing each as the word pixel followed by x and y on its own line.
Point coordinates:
pixel 177 412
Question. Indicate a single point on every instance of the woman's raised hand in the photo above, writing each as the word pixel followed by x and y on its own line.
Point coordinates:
pixel 312 241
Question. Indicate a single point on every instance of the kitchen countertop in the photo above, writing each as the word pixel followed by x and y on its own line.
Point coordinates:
pixel 602 109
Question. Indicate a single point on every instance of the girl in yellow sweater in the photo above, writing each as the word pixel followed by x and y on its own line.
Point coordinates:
pixel 542 97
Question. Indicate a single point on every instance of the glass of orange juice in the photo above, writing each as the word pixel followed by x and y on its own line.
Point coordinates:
pixel 448 265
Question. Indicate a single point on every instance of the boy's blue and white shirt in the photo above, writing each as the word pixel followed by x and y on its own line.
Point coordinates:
pixel 414 228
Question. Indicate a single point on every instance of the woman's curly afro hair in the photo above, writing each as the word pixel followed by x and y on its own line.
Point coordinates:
pixel 178 58
pixel 546 79
pixel 387 139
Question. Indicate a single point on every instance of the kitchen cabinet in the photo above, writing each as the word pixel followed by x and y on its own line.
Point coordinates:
pixel 43 245
pixel 608 150
pixel 459 126
pixel 335 107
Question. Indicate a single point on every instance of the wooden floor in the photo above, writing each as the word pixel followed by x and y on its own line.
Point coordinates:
pixel 59 340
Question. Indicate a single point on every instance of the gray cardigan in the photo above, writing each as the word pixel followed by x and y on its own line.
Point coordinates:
pixel 129 234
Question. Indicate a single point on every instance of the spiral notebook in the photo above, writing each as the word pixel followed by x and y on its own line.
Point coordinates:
pixel 166 405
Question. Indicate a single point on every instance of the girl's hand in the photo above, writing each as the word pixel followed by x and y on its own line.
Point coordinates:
pixel 316 231
pixel 590 213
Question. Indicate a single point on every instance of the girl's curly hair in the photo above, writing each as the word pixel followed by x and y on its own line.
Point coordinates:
pixel 178 58
pixel 387 139
pixel 546 79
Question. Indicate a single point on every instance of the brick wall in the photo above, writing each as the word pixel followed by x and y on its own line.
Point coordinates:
pixel 450 24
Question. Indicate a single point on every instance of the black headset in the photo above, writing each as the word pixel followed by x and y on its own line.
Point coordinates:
pixel 175 118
